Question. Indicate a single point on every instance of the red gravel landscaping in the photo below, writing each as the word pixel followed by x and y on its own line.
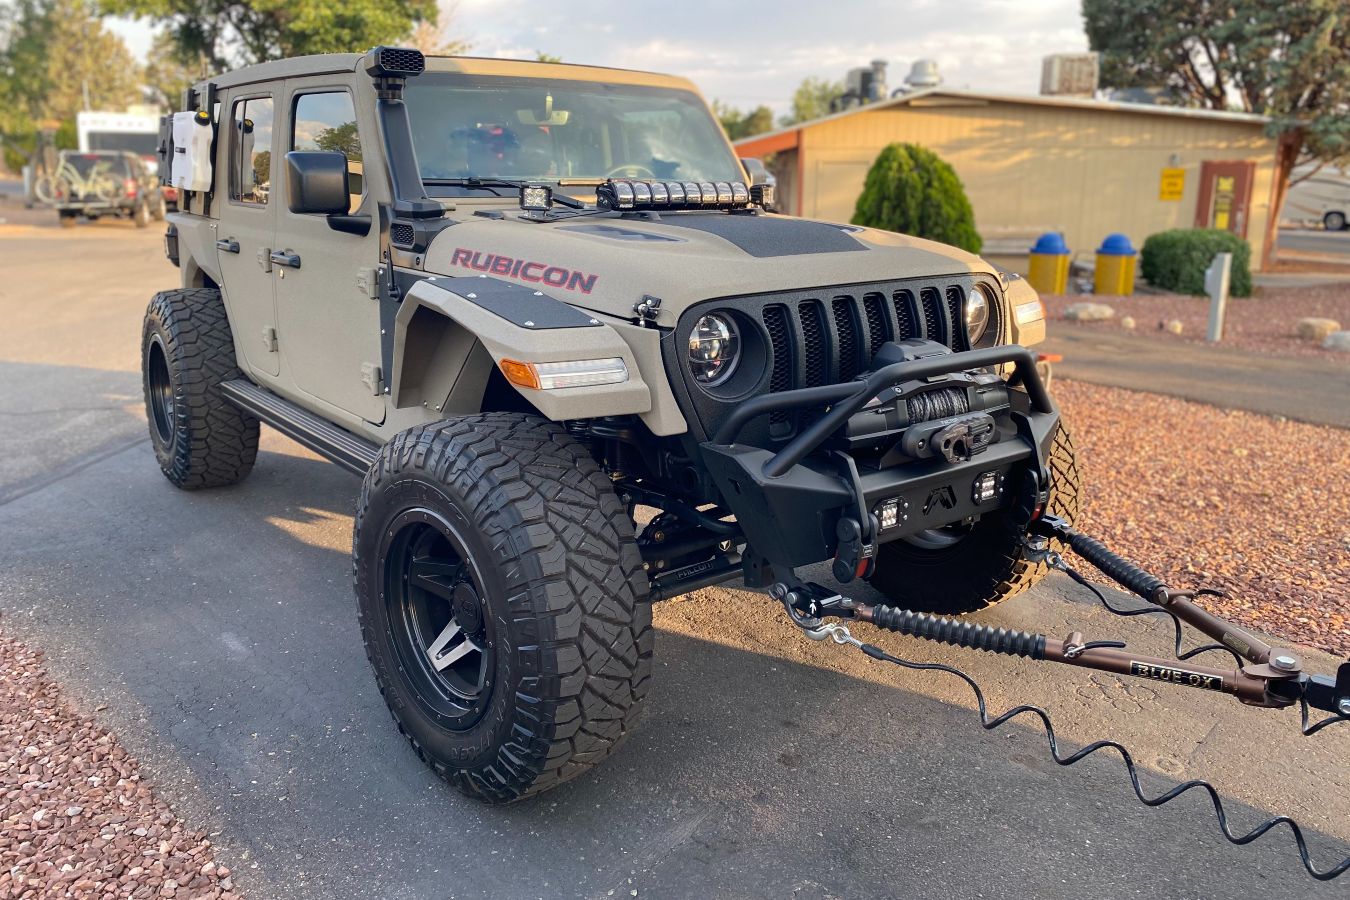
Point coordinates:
pixel 1202 496
pixel 1263 322
pixel 76 819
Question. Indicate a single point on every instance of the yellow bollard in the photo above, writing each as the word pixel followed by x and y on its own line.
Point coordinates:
pixel 1114 275
pixel 1048 272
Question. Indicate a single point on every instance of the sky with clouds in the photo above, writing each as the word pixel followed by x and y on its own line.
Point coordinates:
pixel 750 52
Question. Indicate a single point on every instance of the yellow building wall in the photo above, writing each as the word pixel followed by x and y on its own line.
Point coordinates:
pixel 1029 168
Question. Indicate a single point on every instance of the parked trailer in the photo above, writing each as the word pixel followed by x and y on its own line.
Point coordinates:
pixel 1324 197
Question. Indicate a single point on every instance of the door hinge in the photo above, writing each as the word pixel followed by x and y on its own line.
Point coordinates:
pixel 269 335
pixel 265 258
pixel 368 282
pixel 373 378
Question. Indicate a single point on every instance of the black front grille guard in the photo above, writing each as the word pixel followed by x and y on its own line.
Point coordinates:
pixel 746 475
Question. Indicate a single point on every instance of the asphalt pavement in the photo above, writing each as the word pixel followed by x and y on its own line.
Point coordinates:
pixel 1316 241
pixel 219 630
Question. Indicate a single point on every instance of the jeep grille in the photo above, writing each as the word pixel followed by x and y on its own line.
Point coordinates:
pixel 830 335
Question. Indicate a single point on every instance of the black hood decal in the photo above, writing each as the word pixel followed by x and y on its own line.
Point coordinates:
pixel 769 235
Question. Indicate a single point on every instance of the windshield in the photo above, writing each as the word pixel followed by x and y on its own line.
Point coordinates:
pixel 536 129
pixel 86 163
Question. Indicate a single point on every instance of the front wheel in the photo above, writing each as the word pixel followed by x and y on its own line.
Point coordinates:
pixel 968 567
pixel 1334 221
pixel 502 600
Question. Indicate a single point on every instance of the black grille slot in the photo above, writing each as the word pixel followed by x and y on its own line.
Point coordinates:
pixel 846 327
pixel 815 361
pixel 933 318
pixel 780 343
pixel 955 300
pixel 877 332
pixel 904 316
pixel 402 234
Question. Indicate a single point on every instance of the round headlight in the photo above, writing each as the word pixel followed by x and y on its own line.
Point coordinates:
pixel 977 315
pixel 714 346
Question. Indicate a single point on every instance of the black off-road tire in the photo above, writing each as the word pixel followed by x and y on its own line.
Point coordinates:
pixel 550 550
pixel 1334 221
pixel 187 349
pixel 985 566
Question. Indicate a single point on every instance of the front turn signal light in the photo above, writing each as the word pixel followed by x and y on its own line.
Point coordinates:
pixel 551 376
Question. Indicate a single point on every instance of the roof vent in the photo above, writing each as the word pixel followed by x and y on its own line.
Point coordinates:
pixel 923 74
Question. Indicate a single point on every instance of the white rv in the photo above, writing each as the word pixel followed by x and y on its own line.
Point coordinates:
pixel 137 132
pixel 1325 197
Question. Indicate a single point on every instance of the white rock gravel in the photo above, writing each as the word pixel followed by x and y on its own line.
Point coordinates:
pixel 76 819
pixel 1337 340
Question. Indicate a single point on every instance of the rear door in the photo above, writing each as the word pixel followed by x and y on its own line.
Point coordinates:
pixel 247 225
pixel 329 324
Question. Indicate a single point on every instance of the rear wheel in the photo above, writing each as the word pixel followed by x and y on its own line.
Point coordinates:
pixel 141 214
pixel 1334 221
pixel 187 350
pixel 502 600
pixel 968 567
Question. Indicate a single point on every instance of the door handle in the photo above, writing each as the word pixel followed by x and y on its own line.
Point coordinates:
pixel 228 245
pixel 285 258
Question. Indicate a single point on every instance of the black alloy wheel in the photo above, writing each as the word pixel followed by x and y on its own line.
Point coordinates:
pixel 442 631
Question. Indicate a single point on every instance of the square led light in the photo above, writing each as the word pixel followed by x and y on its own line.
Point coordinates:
pixel 676 191
pixel 642 193
pixel 709 192
pixel 692 192
pixel 890 513
pixel 740 194
pixel 986 487
pixel 762 195
pixel 723 192
pixel 623 194
pixel 536 196
pixel 659 193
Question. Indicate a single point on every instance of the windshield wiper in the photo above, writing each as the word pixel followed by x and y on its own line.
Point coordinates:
pixel 491 184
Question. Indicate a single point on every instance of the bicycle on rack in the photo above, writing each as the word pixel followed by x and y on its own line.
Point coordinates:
pixel 69 183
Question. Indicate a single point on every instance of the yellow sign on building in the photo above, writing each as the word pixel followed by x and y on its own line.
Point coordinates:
pixel 1172 184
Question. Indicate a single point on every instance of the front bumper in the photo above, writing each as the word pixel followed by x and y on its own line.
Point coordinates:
pixel 789 503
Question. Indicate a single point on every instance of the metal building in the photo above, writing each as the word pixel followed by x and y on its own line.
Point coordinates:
pixel 1032 164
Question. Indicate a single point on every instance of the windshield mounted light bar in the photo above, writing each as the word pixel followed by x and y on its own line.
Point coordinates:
pixel 625 195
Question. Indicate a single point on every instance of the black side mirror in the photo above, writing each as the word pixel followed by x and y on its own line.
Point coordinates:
pixel 316 182
pixel 756 169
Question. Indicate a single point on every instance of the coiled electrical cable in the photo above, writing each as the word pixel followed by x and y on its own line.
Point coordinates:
pixel 1131 767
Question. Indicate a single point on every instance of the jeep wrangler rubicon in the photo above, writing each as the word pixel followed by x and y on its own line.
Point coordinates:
pixel 525 299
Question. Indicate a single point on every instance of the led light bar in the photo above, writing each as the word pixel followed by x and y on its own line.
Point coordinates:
pixel 551 376
pixel 643 195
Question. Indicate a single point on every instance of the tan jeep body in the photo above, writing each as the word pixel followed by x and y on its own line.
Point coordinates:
pixel 313 335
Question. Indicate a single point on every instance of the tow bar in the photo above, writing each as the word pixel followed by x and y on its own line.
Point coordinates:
pixel 1262 675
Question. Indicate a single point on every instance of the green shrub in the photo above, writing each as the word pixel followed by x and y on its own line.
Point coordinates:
pixel 909 189
pixel 1176 260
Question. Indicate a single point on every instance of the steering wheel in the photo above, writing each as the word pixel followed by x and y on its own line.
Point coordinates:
pixel 631 172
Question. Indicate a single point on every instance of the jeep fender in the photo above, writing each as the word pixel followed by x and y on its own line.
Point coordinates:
pixel 438 333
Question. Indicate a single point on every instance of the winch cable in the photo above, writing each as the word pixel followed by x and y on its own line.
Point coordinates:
pixel 1020 643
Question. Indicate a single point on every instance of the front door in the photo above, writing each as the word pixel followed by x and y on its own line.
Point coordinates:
pixel 246 227
pixel 329 325
pixel 1225 196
